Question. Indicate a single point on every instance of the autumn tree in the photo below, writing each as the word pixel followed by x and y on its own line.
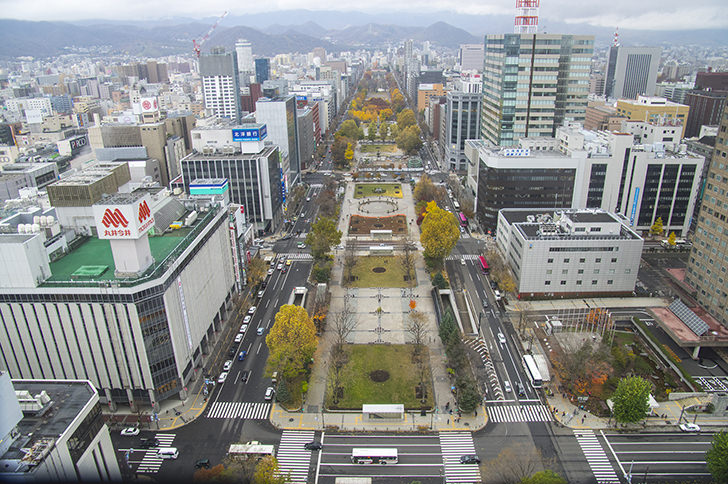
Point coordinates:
pixel 349 154
pixel 425 190
pixel 466 206
pixel 256 271
pixel 323 236
pixel 338 149
pixel 657 228
pixel 371 131
pixel 291 341
pixel 717 457
pixel 397 100
pixel 266 472
pixel 631 400
pixel 405 119
pixel 409 140
pixel 671 239
pixel 439 232
pixel 514 463
pixel 296 196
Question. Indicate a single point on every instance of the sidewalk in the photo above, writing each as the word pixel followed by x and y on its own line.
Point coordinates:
pixel 345 421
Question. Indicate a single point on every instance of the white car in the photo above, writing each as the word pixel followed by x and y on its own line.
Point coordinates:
pixel 222 377
pixel 270 272
pixel 690 427
pixel 252 309
pixel 260 294
pixel 501 338
pixel 507 386
pixel 301 245
pixel 239 337
pixel 279 266
pixel 228 364
pixel 261 330
pixel 269 393
pixel 130 431
pixel 246 319
pixel 243 328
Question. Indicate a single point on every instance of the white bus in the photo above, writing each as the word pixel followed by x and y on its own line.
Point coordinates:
pixel 251 449
pixel 385 456
pixel 530 364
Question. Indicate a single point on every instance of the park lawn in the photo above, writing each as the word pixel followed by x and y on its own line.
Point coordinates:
pixel 366 190
pixel 365 277
pixel 379 148
pixel 399 388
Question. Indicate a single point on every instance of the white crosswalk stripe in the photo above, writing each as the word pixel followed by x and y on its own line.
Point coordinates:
pixel 713 383
pixel 151 463
pixel 293 459
pixel 596 457
pixel 518 413
pixel 463 256
pixel 247 410
pixel 479 346
pixel 453 445
pixel 297 256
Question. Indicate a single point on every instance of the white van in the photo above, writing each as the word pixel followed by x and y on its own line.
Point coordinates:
pixel 168 453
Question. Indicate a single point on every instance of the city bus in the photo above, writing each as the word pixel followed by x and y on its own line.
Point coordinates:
pixel 463 219
pixel 382 456
pixel 484 265
pixel 530 364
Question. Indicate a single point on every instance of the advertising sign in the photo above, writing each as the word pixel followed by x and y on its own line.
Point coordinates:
pixel 250 134
pixel 149 104
pixel 77 143
pixel 123 220
pixel 634 205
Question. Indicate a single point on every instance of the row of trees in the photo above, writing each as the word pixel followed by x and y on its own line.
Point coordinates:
pixel 468 396
pixel 237 469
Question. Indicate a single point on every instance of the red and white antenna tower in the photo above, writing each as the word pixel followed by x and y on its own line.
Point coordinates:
pixel 615 43
pixel 526 17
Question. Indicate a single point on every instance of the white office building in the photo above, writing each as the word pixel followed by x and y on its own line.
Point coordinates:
pixel 471 57
pixel 53 431
pixel 221 84
pixel 131 309
pixel 246 65
pixel 569 253
pixel 631 71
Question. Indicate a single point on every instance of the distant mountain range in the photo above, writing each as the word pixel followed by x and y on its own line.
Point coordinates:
pixel 297 31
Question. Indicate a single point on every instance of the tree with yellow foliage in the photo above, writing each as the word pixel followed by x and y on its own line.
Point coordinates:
pixel 292 341
pixel 266 472
pixel 671 240
pixel 439 232
pixel 349 153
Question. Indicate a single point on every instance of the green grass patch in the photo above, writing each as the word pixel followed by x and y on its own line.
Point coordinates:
pixel 378 271
pixel 396 360
pixel 378 148
pixel 365 190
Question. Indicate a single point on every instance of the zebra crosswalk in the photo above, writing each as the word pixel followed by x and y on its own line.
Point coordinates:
pixel 454 445
pixel 247 410
pixel 296 256
pixel 479 347
pixel 151 462
pixel 462 256
pixel 596 457
pixel 519 413
pixel 293 459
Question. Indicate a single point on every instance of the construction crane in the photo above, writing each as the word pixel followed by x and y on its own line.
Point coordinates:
pixel 197 45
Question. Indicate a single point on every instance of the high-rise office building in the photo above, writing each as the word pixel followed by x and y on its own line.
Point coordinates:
pixel 279 114
pixel 532 83
pixel 471 57
pixel 220 84
pixel 462 122
pixel 709 256
pixel 246 68
pixel 262 70
pixel 631 72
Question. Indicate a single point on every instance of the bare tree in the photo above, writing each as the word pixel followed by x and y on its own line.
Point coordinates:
pixel 417 329
pixel 407 258
pixel 349 263
pixel 343 323
pixel 514 463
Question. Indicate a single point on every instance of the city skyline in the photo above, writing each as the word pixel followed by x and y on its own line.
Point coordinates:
pixel 649 15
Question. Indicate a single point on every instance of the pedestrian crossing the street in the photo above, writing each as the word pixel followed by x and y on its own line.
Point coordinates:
pixel 519 413
pixel 247 410
pixel 151 462
pixel 454 445
pixel 296 256
pixel 596 457
pixel 293 459
pixel 462 256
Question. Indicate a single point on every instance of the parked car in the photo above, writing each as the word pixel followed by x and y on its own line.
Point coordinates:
pixel 260 294
pixel 130 431
pixel 228 364
pixel 222 377
pixel 243 328
pixel 269 393
pixel 247 319
pixel 239 337
pixel 252 309
pixel 469 459
pixel 313 445
pixel 269 272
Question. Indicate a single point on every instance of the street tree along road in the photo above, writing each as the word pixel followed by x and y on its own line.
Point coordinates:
pixel 439 232
pixel 322 237
pixel 292 341
pixel 631 400
pixel 717 457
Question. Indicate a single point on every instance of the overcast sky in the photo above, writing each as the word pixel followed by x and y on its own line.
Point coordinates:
pixel 627 14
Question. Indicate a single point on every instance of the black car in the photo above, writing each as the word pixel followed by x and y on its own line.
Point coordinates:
pixel 149 443
pixel 244 378
pixel 313 445
pixel 493 285
pixel 469 459
pixel 232 352
pixel 202 463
